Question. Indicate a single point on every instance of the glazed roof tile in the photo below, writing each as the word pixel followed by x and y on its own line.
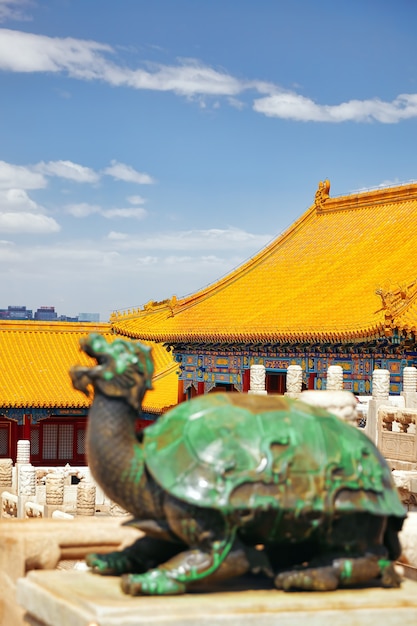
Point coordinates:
pixel 344 271
pixel 36 358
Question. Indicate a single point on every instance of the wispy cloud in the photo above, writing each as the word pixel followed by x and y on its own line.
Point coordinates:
pixel 14 10
pixel 27 223
pixel 19 176
pixel 192 240
pixel 91 60
pixel 68 170
pixel 295 107
pixel 83 209
pixel 121 171
pixel 19 213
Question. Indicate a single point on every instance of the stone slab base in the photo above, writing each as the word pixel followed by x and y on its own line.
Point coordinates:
pixel 84 599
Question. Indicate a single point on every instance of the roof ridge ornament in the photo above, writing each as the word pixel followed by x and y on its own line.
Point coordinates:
pixel 394 301
pixel 322 194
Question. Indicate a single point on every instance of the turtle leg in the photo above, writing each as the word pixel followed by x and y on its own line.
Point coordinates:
pixel 144 554
pixel 340 572
pixel 175 575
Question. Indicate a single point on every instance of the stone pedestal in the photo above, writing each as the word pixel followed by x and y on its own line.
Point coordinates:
pixel 83 599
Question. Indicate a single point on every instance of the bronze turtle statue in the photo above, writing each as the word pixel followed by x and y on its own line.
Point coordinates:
pixel 231 483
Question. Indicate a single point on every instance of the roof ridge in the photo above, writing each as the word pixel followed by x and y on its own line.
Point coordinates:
pixel 41 326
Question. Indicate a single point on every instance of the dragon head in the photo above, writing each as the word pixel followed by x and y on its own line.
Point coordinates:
pixel 124 369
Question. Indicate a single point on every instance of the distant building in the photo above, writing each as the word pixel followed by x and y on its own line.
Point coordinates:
pixel 16 313
pixel 46 314
pixel 89 317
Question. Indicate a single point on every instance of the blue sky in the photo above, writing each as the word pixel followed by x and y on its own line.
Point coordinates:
pixel 147 148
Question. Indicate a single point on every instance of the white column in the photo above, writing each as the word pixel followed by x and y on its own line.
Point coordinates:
pixel 23 451
pixel 86 499
pixel 257 379
pixel 409 391
pixel 380 396
pixel 294 381
pixel 6 473
pixel 334 378
pixel 26 486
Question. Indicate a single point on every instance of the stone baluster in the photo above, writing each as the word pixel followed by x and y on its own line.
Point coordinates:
pixel 23 451
pixel 86 499
pixel 380 396
pixel 334 378
pixel 6 473
pixel 409 391
pixel 54 492
pixel 26 486
pixel 257 379
pixel 294 381
pixel 54 489
pixel 22 457
pixel 380 385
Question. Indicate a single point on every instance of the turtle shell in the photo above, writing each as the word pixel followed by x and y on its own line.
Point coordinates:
pixel 239 451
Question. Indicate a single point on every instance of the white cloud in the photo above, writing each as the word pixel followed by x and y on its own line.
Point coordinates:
pixel 189 78
pixel 121 171
pixel 190 241
pixel 27 223
pixel 136 200
pixel 12 9
pixel 83 209
pixel 117 236
pixel 298 108
pixel 68 170
pixel 17 199
pixel 130 212
pixel 18 176
pixel 26 52
pixel 89 60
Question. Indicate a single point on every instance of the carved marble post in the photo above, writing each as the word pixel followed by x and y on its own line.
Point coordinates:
pixel 294 381
pixel 27 487
pixel 380 396
pixel 341 403
pixel 257 379
pixel 380 385
pixel 86 499
pixel 6 473
pixel 54 488
pixel 22 458
pixel 409 392
pixel 334 378
pixel 23 451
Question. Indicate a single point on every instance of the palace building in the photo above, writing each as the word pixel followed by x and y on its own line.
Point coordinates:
pixel 339 287
pixel 37 400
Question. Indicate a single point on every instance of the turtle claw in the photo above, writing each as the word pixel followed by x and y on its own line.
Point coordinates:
pixel 110 564
pixel 310 579
pixel 156 582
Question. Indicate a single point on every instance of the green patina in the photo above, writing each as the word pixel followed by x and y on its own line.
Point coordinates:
pixel 347 570
pixel 124 356
pixel 268 469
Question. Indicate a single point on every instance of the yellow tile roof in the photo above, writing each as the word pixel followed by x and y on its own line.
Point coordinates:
pixel 35 358
pixel 345 270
